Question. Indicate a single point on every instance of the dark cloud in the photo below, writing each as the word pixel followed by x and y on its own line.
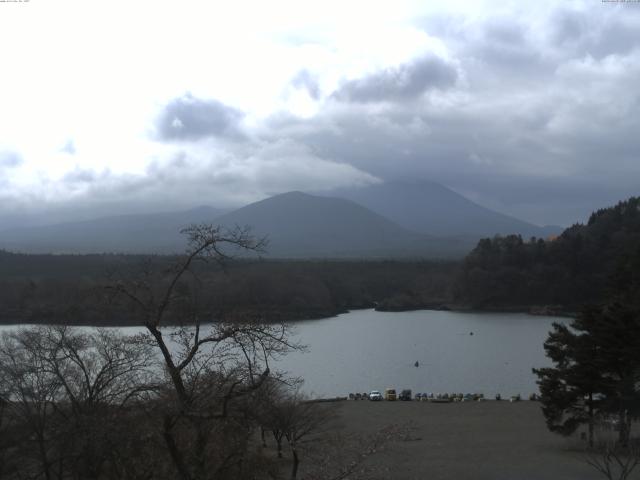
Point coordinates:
pixel 568 26
pixel 10 159
pixel 196 174
pixel 505 32
pixel 307 81
pixel 614 32
pixel 504 48
pixel 403 82
pixel 546 152
pixel 191 118
pixel 619 37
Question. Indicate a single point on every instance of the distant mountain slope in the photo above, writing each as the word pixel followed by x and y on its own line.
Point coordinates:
pixel 434 209
pixel 298 225
pixel 143 233
pixel 302 225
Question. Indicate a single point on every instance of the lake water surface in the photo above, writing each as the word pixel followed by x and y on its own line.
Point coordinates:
pixel 364 350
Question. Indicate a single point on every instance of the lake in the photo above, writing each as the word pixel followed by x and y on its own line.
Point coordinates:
pixel 364 350
pixel 464 352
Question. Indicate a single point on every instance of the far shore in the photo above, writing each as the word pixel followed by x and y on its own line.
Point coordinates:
pixel 547 311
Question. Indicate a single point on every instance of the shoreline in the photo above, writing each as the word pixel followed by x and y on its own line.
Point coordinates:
pixel 536 311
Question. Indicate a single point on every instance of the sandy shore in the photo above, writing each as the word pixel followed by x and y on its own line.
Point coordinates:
pixel 476 440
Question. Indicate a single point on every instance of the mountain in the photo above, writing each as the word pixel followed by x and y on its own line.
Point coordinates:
pixel 297 225
pixel 303 225
pixel 434 209
pixel 140 233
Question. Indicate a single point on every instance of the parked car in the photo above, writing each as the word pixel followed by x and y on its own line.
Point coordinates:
pixel 390 394
pixel 375 396
pixel 405 395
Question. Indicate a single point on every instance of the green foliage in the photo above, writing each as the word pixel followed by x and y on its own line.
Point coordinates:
pixel 583 265
pixel 596 369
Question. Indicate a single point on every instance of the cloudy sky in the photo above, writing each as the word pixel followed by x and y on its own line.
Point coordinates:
pixel 530 108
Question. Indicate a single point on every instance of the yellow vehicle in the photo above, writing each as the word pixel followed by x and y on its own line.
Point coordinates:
pixel 390 394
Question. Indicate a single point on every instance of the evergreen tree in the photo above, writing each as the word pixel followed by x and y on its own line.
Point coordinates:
pixel 571 392
pixel 597 370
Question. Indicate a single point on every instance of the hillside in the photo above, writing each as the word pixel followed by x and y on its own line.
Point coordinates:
pixel 433 209
pixel 144 233
pixel 297 225
pixel 580 266
pixel 301 225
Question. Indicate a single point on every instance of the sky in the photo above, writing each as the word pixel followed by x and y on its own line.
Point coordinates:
pixel 529 108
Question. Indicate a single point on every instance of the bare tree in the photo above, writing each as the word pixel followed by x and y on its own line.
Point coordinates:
pixel 66 390
pixel 614 458
pixel 4 437
pixel 613 461
pixel 31 391
pixel 100 374
pixel 302 421
pixel 210 367
pixel 317 448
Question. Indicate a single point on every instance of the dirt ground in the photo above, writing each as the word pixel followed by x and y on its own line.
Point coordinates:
pixel 475 440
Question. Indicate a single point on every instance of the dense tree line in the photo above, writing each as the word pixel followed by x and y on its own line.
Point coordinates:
pixel 71 289
pixel 582 265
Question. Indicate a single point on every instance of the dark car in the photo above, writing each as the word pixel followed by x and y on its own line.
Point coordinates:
pixel 405 395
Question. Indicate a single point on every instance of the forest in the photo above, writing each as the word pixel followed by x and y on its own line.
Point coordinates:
pixel 582 265
pixel 70 289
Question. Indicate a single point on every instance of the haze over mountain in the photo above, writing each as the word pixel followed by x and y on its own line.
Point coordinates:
pixel 298 225
pixel 141 233
pixel 433 209
pixel 387 220
pixel 303 225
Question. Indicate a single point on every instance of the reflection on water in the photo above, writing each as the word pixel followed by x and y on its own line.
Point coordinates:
pixel 456 352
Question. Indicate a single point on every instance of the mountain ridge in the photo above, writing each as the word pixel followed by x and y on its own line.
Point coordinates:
pixel 108 234
pixel 419 220
pixel 299 224
pixel 432 208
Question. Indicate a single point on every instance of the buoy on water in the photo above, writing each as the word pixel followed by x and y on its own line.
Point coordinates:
pixel 416 364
